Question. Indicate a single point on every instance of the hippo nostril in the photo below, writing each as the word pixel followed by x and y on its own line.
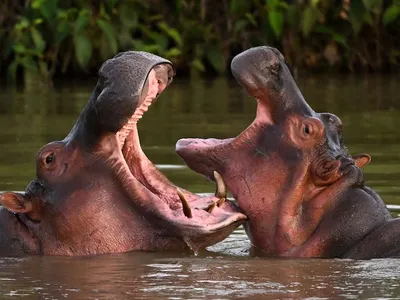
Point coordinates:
pixel 183 143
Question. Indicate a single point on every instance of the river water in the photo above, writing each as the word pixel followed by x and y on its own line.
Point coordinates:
pixel 369 107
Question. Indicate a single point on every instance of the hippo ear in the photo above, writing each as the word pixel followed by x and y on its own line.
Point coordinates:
pixel 18 203
pixel 361 160
pixel 15 202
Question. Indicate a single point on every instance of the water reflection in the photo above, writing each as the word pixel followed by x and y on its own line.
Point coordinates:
pixel 166 276
pixel 369 108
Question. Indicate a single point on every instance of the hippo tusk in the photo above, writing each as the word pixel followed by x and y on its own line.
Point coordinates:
pixel 185 204
pixel 221 191
pixel 211 207
pixel 220 201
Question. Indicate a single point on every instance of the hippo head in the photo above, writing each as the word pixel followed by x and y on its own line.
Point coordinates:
pixel 280 166
pixel 96 191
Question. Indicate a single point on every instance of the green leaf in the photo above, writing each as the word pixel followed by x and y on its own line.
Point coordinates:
pixel 197 64
pixel 172 32
pixel 82 21
pixel 338 37
pixel 251 19
pixel 173 52
pixel 63 30
pixel 215 58
pixel 38 40
pixel 141 46
pixel 83 50
pixel 22 24
pixel 37 3
pixel 48 9
pixel 109 32
pixel 392 14
pixel 103 12
pixel 276 20
pixel 309 20
pixel 38 21
pixel 19 48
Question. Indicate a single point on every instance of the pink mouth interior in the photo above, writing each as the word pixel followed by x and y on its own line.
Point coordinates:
pixel 155 87
pixel 128 138
pixel 136 160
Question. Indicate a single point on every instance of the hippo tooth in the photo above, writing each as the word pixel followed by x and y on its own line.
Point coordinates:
pixel 185 205
pixel 221 191
pixel 211 207
pixel 220 201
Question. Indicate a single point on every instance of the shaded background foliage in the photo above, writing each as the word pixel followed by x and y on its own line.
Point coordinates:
pixel 48 38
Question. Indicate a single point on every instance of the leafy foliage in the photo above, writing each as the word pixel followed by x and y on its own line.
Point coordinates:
pixel 49 37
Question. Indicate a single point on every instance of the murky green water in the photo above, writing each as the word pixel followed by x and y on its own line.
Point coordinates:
pixel 370 110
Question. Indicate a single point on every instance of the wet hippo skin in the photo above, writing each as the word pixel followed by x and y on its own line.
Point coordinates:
pixel 303 193
pixel 97 192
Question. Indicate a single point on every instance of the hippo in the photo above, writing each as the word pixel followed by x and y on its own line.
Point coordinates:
pixel 96 191
pixel 303 193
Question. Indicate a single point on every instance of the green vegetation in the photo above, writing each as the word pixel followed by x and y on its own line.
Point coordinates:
pixel 54 37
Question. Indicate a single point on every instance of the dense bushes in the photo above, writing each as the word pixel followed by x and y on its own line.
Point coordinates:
pixel 50 37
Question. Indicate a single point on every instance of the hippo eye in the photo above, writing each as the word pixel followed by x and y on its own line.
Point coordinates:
pixel 49 158
pixel 307 130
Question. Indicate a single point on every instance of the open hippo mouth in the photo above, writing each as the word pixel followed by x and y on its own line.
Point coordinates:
pixel 143 170
pixel 128 85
